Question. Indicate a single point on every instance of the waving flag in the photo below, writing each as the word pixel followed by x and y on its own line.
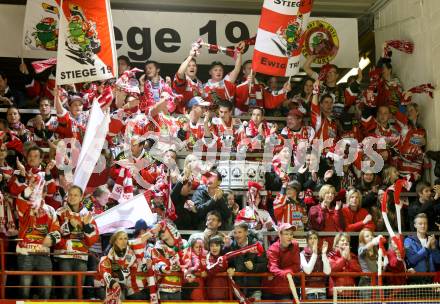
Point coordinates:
pixel 125 215
pixel 279 37
pixel 86 48
pixel 94 140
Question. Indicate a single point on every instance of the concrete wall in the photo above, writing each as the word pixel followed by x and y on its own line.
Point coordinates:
pixel 417 21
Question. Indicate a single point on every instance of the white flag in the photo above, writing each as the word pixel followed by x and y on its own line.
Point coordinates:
pixel 125 215
pixel 94 139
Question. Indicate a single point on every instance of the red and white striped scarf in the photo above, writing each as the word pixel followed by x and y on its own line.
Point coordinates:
pixel 123 188
pixel 401 45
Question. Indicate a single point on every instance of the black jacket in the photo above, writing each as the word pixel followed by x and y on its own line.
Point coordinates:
pixel 204 203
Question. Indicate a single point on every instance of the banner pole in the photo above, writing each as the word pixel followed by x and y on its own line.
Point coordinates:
pixel 250 82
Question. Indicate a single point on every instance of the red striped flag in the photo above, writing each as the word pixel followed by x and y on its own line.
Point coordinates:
pixel 279 38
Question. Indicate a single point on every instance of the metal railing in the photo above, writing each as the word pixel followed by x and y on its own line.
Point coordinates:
pixel 79 275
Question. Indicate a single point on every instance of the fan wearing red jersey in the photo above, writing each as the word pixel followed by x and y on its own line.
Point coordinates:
pixel 28 173
pixel 412 145
pixel 38 231
pixel 257 131
pixel 186 82
pixel 384 127
pixel 322 121
pixel 191 126
pixel 72 123
pixel 225 129
pixel 121 265
pixel 252 93
pixel 295 131
pixel 219 87
pixel 78 233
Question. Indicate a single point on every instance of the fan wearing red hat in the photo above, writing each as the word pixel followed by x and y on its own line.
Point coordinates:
pixel 258 95
pixel 258 219
pixel 283 259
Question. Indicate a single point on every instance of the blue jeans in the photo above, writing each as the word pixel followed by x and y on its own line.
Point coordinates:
pixel 170 295
pixel 35 263
pixel 316 296
pixel 71 265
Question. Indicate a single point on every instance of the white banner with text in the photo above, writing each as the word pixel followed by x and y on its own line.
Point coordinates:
pixel 167 36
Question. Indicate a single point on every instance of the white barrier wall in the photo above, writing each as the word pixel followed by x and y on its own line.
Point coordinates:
pixel 417 21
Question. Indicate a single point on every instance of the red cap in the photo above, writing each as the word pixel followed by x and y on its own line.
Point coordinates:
pixel 252 184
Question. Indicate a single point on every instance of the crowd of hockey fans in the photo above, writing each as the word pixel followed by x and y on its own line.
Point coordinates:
pixel 49 222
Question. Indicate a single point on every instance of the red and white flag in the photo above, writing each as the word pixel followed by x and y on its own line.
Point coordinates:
pixel 279 37
pixel 42 65
pixel 125 215
pixel 94 139
pixel 86 48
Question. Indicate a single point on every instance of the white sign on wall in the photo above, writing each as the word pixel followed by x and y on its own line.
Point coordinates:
pixel 167 36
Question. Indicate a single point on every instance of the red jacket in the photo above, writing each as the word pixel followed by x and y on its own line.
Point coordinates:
pixel 216 286
pixel 325 220
pixel 354 220
pixel 280 263
pixel 339 264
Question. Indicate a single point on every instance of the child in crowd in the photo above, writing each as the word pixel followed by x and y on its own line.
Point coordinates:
pixel 216 286
pixel 195 269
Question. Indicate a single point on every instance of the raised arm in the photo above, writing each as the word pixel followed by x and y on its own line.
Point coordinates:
pixel 58 105
pixel 308 67
pixel 233 75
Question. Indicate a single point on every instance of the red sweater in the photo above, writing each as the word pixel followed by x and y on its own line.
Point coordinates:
pixel 281 262
pixel 354 220
pixel 323 219
pixel 339 264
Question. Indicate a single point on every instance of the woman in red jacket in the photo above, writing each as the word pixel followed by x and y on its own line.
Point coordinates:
pixel 323 217
pixel 355 217
pixel 342 260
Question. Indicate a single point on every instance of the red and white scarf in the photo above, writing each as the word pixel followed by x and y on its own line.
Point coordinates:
pixel 401 45
pixel 123 188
